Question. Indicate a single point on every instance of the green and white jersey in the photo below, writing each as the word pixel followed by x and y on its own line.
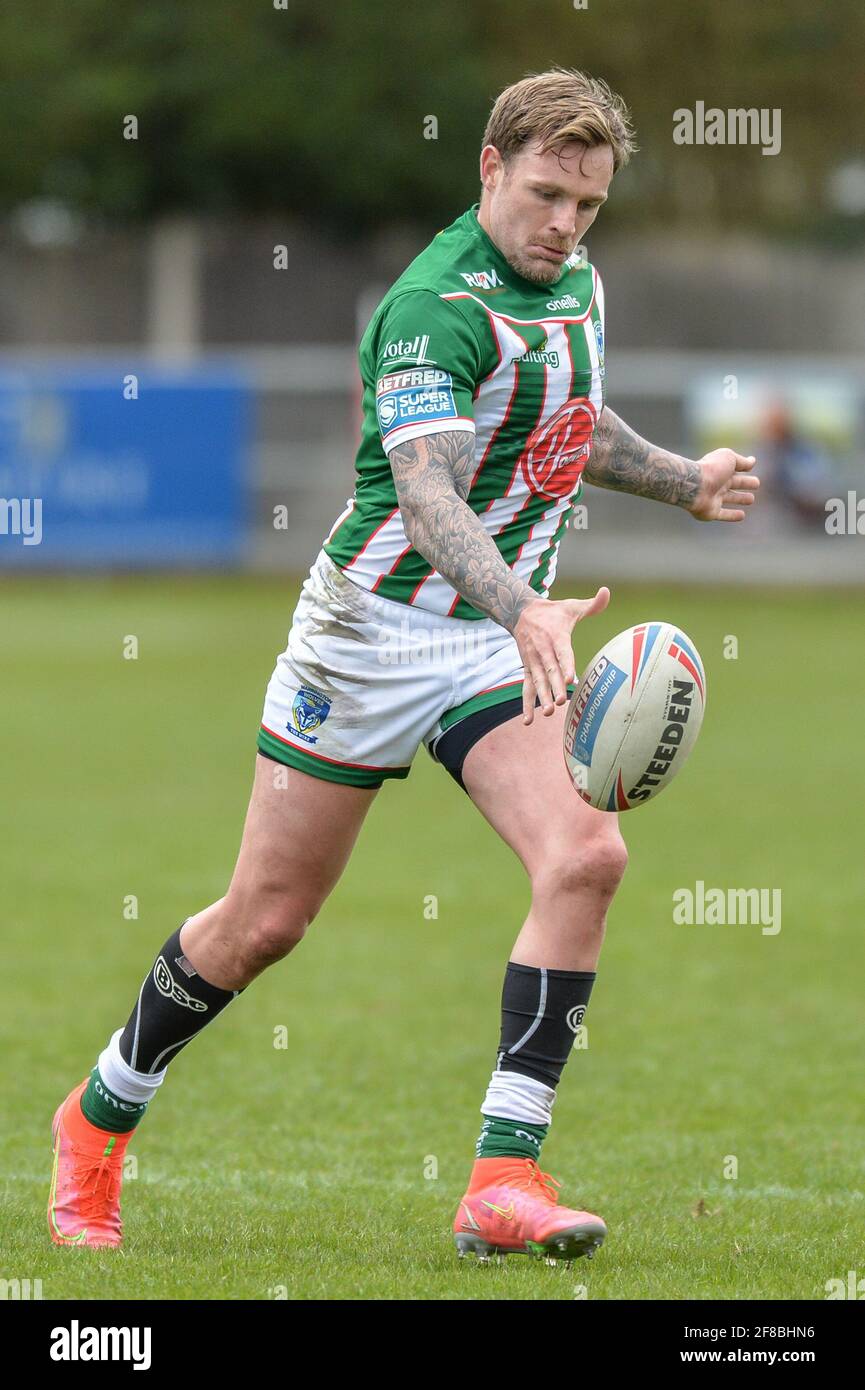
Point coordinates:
pixel 462 342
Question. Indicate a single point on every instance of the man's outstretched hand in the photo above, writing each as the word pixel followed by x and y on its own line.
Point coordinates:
pixel 543 631
pixel 543 635
pixel 727 486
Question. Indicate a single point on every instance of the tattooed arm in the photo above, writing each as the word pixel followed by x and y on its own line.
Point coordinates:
pixel 433 475
pixel 714 488
pixel 621 460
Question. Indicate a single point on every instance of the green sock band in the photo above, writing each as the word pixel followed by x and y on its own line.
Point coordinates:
pixel 105 1110
pixel 501 1138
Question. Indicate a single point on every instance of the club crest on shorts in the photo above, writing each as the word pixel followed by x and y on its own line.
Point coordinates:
pixel 309 711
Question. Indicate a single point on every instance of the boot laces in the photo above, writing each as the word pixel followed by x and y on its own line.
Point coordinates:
pixel 540 1184
pixel 100 1183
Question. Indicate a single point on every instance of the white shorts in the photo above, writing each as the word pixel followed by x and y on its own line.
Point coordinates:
pixel 364 681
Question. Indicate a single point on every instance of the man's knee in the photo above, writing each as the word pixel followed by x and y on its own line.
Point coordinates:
pixel 274 933
pixel 265 927
pixel 596 864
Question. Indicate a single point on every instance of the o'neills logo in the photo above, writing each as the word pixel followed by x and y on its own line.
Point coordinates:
pixel 566 302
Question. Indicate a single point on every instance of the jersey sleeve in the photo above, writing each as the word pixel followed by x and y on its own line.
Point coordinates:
pixel 600 339
pixel 427 365
pixel 599 296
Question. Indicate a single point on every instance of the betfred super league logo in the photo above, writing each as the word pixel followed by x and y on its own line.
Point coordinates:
pixel 557 450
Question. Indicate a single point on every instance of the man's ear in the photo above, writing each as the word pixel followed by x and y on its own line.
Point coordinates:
pixel 490 161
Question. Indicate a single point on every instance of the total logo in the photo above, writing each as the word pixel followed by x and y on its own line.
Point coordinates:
pixel 408 350
pixel 482 279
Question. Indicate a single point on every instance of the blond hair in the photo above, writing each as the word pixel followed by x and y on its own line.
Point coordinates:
pixel 557 106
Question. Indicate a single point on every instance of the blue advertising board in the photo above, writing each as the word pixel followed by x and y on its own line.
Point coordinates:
pixel 122 466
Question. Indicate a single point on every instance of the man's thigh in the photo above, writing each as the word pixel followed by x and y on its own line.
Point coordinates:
pixel 299 832
pixel 516 776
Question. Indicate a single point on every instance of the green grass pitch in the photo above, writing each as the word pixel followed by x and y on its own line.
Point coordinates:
pixel 330 1168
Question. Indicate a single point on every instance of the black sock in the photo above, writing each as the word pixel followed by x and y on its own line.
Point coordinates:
pixel 541 1012
pixel 174 1004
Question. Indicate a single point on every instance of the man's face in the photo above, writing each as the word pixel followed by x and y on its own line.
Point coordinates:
pixel 538 207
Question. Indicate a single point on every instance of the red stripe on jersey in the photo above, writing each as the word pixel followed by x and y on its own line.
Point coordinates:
pixel 354 559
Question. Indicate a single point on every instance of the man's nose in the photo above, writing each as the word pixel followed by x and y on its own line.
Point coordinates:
pixel 564 223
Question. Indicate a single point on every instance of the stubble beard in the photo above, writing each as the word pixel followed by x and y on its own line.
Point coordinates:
pixel 536 271
pixel 538 275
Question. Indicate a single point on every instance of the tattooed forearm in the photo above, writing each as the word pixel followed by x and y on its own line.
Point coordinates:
pixel 621 460
pixel 433 476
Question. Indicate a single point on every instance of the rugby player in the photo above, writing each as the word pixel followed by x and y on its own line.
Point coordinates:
pixel 484 414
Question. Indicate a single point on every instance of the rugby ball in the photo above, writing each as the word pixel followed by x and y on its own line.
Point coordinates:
pixel 634 717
